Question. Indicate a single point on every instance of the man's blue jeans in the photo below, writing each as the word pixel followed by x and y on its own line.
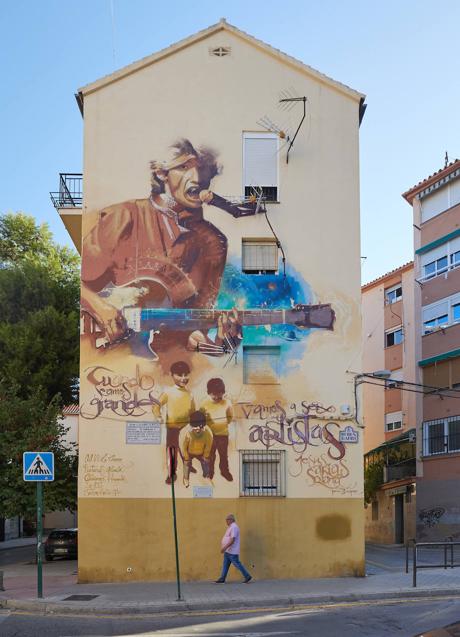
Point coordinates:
pixel 230 558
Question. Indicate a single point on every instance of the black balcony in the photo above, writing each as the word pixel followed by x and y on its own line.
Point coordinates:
pixel 400 471
pixel 70 193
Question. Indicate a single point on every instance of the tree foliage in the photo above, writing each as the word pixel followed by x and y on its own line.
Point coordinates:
pixel 39 356
pixel 39 309
pixel 373 480
pixel 30 424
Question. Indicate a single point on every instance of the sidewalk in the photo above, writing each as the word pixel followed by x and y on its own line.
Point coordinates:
pixel 147 598
pixel 17 543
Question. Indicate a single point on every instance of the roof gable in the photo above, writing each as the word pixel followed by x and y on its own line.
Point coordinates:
pixel 222 25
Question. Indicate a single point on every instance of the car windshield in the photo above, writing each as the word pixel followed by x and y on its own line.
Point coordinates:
pixel 62 535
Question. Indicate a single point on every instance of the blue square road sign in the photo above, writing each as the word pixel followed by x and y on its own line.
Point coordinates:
pixel 38 466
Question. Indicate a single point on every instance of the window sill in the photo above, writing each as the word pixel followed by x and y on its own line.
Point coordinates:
pixel 441 329
pixel 442 454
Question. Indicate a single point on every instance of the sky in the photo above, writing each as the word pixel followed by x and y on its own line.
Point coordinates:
pixel 402 54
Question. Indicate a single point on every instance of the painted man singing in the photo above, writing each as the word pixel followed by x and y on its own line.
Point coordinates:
pixel 160 249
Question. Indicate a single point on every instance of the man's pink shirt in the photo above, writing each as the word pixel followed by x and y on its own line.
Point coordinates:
pixel 232 531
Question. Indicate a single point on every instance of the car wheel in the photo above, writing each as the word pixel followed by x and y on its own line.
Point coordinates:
pixel 49 558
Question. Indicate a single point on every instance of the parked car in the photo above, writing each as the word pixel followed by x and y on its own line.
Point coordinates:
pixel 61 543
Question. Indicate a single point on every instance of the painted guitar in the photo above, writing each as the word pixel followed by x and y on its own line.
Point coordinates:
pixel 155 321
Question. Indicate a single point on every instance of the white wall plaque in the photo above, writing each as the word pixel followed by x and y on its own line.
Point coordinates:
pixel 141 432
pixel 202 492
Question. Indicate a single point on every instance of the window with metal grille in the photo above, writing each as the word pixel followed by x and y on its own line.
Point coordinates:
pixel 260 164
pixel 441 436
pixel 261 365
pixel 262 473
pixel 259 256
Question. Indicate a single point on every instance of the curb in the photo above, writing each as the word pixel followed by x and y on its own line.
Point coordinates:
pixel 65 608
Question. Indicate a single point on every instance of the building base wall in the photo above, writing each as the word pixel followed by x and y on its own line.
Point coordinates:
pixel 438 509
pixel 382 530
pixel 132 539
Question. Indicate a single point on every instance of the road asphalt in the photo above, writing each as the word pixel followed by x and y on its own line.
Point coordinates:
pixel 385 580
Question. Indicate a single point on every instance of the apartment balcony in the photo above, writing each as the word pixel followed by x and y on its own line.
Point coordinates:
pixel 400 471
pixel 68 202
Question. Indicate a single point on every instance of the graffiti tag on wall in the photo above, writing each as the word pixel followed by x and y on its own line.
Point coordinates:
pixel 431 517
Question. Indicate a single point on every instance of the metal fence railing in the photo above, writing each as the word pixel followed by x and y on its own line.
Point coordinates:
pixel 448 547
pixel 70 193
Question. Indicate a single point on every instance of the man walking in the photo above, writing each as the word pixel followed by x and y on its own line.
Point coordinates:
pixel 231 550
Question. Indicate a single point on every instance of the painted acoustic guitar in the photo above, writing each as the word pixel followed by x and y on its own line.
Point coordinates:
pixel 157 320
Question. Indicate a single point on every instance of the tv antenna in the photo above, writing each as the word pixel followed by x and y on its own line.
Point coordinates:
pixel 288 103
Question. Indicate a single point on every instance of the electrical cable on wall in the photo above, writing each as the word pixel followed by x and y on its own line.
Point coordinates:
pixel 278 242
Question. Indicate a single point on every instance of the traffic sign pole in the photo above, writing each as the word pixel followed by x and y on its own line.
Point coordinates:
pixel 38 466
pixel 39 539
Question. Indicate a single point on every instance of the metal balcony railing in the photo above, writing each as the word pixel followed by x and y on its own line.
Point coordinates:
pixel 399 471
pixel 70 193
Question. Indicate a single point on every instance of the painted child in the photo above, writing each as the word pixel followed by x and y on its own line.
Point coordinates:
pixel 177 404
pixel 197 444
pixel 219 414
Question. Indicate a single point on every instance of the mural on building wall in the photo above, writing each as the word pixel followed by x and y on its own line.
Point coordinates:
pixel 164 307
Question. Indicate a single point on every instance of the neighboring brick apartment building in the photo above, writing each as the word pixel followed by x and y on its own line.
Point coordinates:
pixel 196 299
pixel 388 410
pixel 436 211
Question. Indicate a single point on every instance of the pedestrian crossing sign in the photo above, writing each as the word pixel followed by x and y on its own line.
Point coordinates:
pixel 38 466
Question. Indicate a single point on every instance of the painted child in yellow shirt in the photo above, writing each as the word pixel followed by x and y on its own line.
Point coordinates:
pixel 197 444
pixel 219 414
pixel 177 404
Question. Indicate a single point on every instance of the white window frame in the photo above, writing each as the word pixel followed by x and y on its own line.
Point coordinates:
pixel 446 438
pixel 246 241
pixel 392 419
pixel 261 458
pixel 448 193
pixel 437 310
pixel 446 251
pixel 392 331
pixel 267 135
pixel 389 291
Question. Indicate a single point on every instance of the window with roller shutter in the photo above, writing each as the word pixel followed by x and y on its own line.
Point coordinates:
pixel 259 256
pixel 260 165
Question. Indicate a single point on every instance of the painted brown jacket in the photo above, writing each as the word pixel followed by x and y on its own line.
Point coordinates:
pixel 135 242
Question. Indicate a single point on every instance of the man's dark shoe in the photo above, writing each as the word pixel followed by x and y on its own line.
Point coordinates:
pixel 219 581
pixel 247 579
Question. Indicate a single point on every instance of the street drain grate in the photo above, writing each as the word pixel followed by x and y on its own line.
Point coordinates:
pixel 79 598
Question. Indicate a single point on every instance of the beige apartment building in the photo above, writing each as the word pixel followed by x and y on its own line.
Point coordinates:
pixel 436 209
pixel 221 181
pixel 389 410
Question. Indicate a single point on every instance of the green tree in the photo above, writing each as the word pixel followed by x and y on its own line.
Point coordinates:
pixel 39 309
pixel 373 480
pixel 30 424
pixel 39 357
